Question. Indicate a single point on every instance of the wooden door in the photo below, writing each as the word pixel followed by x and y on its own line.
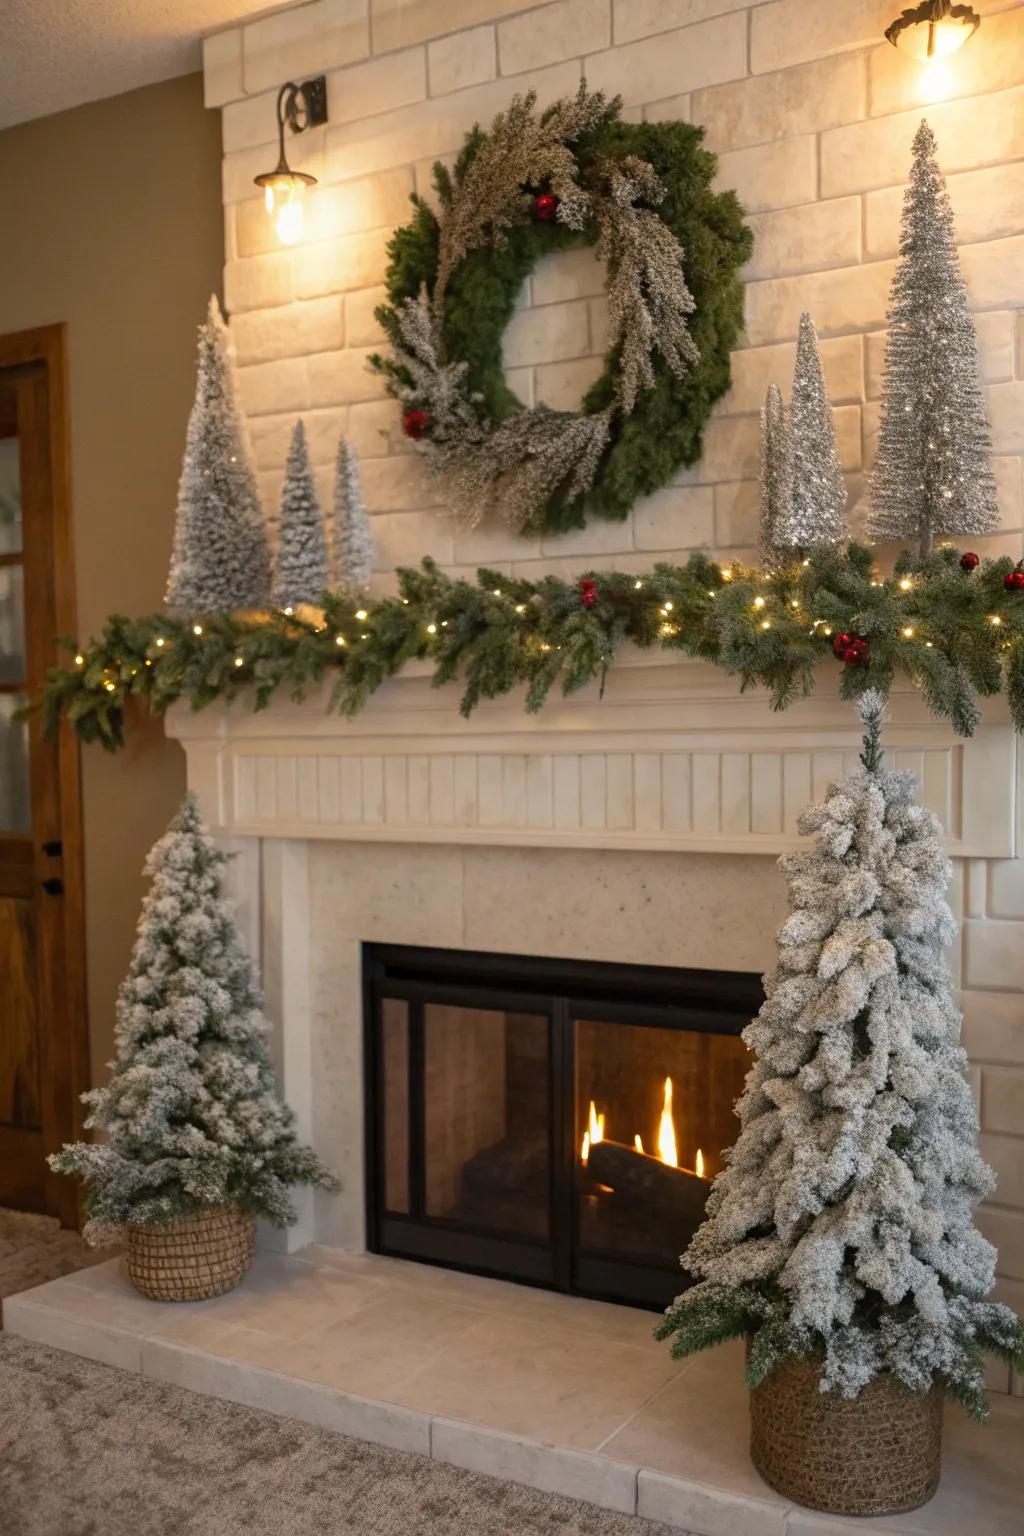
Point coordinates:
pixel 43 1050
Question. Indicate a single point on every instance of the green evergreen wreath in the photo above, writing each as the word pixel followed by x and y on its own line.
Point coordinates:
pixel 573 175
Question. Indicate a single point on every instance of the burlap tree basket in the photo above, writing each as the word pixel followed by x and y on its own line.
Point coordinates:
pixel 876 1454
pixel 191 1259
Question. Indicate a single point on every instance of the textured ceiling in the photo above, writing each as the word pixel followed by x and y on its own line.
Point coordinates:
pixel 59 53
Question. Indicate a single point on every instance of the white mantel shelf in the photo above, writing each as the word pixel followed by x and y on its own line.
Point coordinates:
pixel 673 758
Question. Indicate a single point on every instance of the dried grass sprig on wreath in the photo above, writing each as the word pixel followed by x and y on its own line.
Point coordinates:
pixel 575 174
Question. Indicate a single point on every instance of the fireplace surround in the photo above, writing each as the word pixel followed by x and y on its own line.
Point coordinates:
pixel 550 1121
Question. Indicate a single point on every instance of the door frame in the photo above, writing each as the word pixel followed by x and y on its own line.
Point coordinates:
pixel 64 1038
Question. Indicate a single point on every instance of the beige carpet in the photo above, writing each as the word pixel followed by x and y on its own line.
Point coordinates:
pixel 89 1451
pixel 34 1249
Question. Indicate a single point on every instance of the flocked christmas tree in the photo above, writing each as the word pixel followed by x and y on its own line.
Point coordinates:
pixel 220 559
pixel 300 574
pixel 191 1115
pixel 933 471
pixel 811 511
pixel 774 475
pixel 841 1226
pixel 353 541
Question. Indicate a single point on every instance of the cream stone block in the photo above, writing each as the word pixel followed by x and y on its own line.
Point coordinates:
pixel 792 31
pixel 305 40
pixel 575 1474
pixel 249 122
pixel 678 517
pixel 240 168
pixel 283 385
pixel 763 108
pixel 993 62
pixel 351 207
pixel 771 175
pixel 1005 406
pixel 704 54
pixel 563 385
pixel 433 129
pixel 689 1506
pixel 732 445
pixel 877 153
pixel 1009 492
pixel 995 350
pixel 379 85
pixel 400 484
pixel 362 328
pixel 670 109
pixel 110 1345
pixel 375 429
pixel 737 514
pixel 339 378
pixel 754 368
pixel 259 282
pixel 560 31
pixel 567 275
pixel 1002 1100
pixel 806 239
pixel 339 266
pixel 642 18
pixel 548 335
pixel 293 330
pixel 490 542
pixel 601 536
pixel 462 59
pixel 987 205
pixel 398 22
pixel 271 435
pixel 222 67
pixel 992 272
pixel 403 538
pixel 848 299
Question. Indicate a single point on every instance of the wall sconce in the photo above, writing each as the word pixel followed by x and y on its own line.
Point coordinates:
pixel 933 30
pixel 301 107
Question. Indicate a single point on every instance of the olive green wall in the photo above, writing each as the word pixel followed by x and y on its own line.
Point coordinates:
pixel 111 218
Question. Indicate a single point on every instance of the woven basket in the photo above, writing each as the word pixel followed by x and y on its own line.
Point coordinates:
pixel 191 1259
pixel 876 1454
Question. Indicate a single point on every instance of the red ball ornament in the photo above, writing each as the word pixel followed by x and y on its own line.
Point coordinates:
pixel 545 207
pixel 588 592
pixel 415 422
pixel 842 642
pixel 969 561
pixel 1013 581
pixel 855 655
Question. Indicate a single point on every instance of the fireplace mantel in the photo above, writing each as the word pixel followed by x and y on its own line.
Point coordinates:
pixel 672 757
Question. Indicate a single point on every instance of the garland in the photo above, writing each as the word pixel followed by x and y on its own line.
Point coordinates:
pixel 571 176
pixel 956 631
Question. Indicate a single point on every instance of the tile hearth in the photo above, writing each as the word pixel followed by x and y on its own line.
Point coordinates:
pixel 566 1395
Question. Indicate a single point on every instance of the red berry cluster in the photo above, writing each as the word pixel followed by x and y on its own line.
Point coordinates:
pixel 852 650
pixel 415 422
pixel 1013 581
pixel 588 592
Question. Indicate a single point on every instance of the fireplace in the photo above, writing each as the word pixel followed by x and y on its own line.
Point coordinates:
pixel 554 1122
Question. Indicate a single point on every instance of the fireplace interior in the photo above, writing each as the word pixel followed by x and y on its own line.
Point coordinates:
pixel 554 1122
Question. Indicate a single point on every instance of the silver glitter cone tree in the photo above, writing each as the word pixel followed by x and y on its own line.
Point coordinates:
pixel 191 1112
pixel 774 475
pixel 933 471
pixel 353 540
pixel 812 509
pixel 841 1227
pixel 220 559
pixel 301 571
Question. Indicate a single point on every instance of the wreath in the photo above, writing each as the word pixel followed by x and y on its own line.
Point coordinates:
pixel 575 174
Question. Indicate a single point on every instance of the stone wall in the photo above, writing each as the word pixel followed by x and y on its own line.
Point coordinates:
pixel 812 115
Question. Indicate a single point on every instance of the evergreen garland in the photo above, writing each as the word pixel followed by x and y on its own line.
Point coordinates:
pixel 641 449
pixel 956 635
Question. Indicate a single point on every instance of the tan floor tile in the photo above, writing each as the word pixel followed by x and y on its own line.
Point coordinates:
pixel 290 1300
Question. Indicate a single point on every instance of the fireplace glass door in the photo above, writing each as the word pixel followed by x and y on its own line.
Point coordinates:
pixel 549 1121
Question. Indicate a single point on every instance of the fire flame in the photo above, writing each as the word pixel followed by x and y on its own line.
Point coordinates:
pixel 667 1149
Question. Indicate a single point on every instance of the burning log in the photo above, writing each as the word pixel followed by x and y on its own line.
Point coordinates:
pixel 651 1182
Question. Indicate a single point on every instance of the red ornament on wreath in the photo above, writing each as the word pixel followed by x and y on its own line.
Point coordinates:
pixel 842 642
pixel 588 592
pixel 969 561
pixel 857 653
pixel 415 422
pixel 545 207
pixel 1013 581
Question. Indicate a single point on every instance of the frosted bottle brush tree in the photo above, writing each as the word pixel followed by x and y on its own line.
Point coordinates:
pixel 774 476
pixel 191 1115
pixel 220 559
pixel 353 541
pixel 841 1226
pixel 301 571
pixel 933 471
pixel 811 492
